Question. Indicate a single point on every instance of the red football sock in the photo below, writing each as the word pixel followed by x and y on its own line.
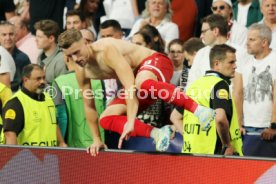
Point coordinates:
pixel 169 93
pixel 116 123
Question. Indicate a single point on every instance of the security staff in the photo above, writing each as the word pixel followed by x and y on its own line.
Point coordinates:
pixel 29 116
pixel 212 90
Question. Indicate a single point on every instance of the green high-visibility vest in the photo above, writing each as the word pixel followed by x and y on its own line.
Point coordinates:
pixel 78 132
pixel 40 125
pixel 204 142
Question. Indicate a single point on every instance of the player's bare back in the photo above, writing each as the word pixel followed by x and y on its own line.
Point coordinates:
pixel 100 55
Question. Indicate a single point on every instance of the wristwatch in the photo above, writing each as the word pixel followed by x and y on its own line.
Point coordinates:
pixel 273 126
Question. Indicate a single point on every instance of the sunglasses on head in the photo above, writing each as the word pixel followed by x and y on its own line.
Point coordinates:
pixel 215 8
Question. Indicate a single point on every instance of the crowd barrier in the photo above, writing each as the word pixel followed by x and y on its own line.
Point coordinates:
pixel 53 166
pixel 253 145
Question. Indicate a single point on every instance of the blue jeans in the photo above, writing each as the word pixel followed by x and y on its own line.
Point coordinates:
pixel 253 129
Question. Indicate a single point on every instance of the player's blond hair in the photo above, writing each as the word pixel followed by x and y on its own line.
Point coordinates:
pixel 67 38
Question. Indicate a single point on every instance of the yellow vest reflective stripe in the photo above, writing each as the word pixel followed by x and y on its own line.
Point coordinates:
pixel 40 121
pixel 204 142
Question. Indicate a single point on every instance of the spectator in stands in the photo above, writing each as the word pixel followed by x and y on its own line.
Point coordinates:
pixel 190 48
pixel 90 8
pixel 187 9
pixel 7 40
pixel 75 20
pixel 203 10
pixel 114 9
pixel 109 52
pixel 158 14
pixel 268 8
pixel 52 58
pixel 214 31
pixel 25 41
pixel 7 9
pixel 29 117
pixel 176 54
pixel 88 36
pixel 50 9
pixel 247 12
pixel 223 136
pixel 140 4
pixel 111 28
pixel 256 77
pixel 237 32
pixel 22 9
pixel 7 67
pixel 142 38
pixel 158 42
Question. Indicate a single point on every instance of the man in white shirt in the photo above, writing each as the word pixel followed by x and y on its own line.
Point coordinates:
pixel 254 84
pixel 213 32
pixel 158 14
pixel 237 33
pixel 247 12
pixel 268 8
pixel 7 67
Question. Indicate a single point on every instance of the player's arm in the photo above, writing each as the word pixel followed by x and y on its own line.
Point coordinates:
pixel 238 97
pixel 61 142
pixel 115 60
pixel 90 109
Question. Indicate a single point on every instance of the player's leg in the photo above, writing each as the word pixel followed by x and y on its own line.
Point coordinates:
pixel 114 118
pixel 153 77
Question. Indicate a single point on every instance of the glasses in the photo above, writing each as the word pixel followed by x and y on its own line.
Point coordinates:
pixel 176 52
pixel 215 8
pixel 205 30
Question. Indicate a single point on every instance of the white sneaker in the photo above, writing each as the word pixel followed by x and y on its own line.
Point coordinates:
pixel 162 141
pixel 205 115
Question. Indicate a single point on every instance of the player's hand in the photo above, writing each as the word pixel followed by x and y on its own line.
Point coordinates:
pixel 63 145
pixel 94 149
pixel 268 134
pixel 128 128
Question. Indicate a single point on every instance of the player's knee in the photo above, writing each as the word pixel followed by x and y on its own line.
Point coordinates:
pixel 146 84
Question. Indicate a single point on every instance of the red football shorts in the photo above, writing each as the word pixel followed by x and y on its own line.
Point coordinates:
pixel 162 67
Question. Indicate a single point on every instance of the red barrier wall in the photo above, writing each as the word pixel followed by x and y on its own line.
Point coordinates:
pixel 75 166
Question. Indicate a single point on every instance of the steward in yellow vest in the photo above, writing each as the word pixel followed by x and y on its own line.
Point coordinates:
pixel 29 117
pixel 223 136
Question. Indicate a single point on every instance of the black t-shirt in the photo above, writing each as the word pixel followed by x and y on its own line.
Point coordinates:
pixel 6 6
pixel 13 113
